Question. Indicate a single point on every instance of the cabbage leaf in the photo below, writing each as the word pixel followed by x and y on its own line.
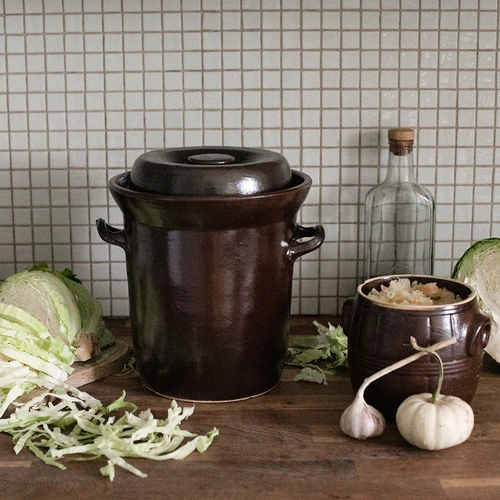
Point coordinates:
pixel 328 346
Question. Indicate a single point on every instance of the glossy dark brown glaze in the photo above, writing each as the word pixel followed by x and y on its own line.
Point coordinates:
pixel 210 287
pixel 379 335
pixel 196 171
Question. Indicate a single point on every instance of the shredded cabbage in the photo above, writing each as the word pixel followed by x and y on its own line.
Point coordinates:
pixel 68 422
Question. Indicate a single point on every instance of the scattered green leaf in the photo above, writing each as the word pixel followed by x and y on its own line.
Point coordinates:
pixel 328 346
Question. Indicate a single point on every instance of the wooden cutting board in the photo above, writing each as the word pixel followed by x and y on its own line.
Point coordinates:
pixel 111 360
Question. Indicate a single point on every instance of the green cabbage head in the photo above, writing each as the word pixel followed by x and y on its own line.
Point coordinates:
pixel 62 304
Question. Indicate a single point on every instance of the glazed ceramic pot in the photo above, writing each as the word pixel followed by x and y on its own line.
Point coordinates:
pixel 379 335
pixel 210 282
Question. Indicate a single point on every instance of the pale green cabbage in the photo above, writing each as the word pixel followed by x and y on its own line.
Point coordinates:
pixel 47 298
pixel 479 267
pixel 30 356
pixel 62 304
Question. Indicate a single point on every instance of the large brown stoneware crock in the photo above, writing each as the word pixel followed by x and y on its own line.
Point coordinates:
pixel 210 281
pixel 379 335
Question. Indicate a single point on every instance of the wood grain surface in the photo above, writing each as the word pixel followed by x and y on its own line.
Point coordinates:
pixel 284 445
pixel 111 360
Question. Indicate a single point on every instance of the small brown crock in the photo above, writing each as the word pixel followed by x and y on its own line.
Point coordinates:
pixel 379 334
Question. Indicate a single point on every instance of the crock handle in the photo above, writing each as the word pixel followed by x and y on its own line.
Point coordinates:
pixel 479 334
pixel 111 234
pixel 296 248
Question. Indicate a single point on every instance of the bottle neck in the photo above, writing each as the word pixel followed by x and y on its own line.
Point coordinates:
pixel 400 166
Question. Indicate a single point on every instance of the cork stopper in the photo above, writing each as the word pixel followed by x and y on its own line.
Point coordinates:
pixel 401 134
pixel 401 141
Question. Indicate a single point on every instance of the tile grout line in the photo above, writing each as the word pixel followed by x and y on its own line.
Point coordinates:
pixel 106 167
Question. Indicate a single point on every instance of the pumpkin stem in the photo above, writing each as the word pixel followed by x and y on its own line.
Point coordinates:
pixel 437 357
pixel 423 352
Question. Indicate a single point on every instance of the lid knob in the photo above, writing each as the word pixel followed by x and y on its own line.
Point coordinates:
pixel 211 159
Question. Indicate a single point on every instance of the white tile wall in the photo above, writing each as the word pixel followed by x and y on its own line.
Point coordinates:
pixel 86 86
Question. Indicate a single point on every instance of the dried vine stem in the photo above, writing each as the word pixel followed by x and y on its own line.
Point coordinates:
pixel 406 361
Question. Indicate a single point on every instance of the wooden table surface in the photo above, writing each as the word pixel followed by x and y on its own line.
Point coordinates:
pixel 284 445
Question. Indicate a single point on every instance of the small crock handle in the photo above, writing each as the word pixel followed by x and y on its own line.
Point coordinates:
pixel 479 334
pixel 296 248
pixel 347 315
pixel 111 234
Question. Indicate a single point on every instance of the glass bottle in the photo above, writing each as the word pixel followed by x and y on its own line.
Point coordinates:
pixel 399 216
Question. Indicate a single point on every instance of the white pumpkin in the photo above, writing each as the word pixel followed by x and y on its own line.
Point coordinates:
pixel 434 424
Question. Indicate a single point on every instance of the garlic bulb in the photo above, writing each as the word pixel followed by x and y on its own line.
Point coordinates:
pixel 361 420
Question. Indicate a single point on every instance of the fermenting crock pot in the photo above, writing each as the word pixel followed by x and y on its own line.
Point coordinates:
pixel 210 282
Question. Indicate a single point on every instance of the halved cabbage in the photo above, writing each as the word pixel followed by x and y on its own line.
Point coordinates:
pixel 29 356
pixel 62 304
pixel 479 267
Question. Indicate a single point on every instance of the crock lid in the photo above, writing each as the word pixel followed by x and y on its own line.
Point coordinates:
pixel 210 170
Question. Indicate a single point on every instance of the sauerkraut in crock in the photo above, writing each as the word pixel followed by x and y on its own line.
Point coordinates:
pixel 402 291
